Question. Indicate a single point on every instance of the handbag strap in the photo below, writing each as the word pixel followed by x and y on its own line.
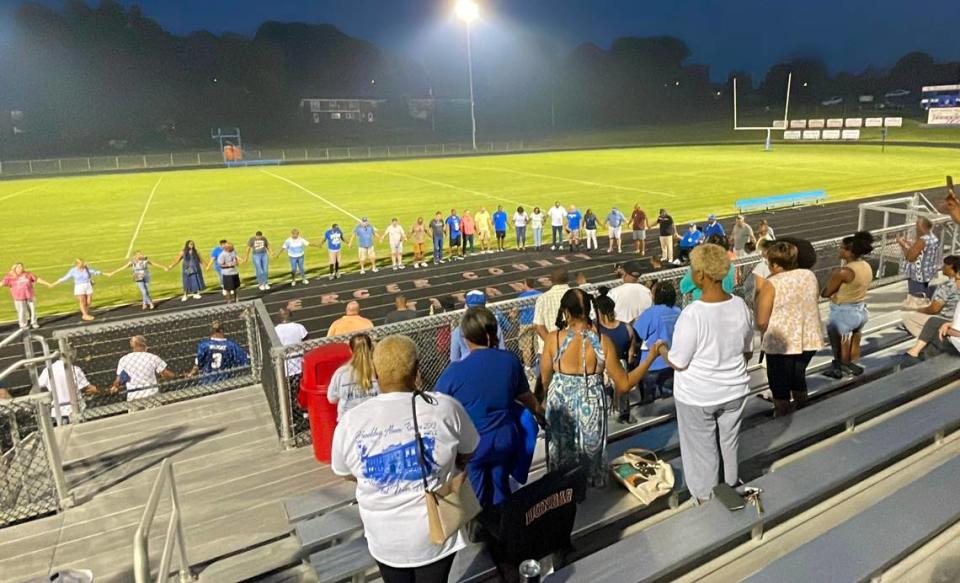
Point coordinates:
pixel 421 451
pixel 641 453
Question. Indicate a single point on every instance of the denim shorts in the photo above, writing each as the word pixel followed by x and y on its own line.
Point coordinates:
pixel 847 318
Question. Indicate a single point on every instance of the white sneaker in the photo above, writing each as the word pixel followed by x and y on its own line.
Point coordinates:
pixel 375 270
pixel 293 283
pixel 401 266
pixel 260 287
pixel 362 272
pixel 266 286
pixel 416 266
pixel 331 277
pixel 337 275
pixel 224 291
pixel 553 247
pixel 196 296
pixel 395 268
pixel 305 281
pixel 184 298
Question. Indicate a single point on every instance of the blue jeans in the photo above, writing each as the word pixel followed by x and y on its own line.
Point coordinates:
pixel 296 264
pixel 144 287
pixel 438 248
pixel 538 237
pixel 261 264
pixel 522 236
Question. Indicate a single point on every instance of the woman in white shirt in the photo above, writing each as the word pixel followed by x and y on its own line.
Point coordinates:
pixel 711 344
pixel 375 445
pixel 536 223
pixel 354 382
pixel 520 220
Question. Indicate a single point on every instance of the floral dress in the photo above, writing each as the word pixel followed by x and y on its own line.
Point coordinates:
pixel 577 414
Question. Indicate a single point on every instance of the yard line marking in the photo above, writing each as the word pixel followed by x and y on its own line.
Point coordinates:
pixel 451 186
pixel 143 215
pixel 313 194
pixel 551 177
pixel 19 192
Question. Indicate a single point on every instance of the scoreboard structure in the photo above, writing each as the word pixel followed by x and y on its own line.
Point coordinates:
pixel 324 110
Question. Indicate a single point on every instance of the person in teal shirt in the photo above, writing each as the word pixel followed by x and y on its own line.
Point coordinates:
pixel 688 287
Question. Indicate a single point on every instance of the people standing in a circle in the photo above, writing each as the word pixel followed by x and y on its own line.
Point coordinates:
pixel 191 271
pixel 259 247
pixel 139 264
pixel 333 239
pixel 296 246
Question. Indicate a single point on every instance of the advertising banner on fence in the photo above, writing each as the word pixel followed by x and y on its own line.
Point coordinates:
pixel 811 134
pixel 874 122
pixel 944 116
pixel 836 122
pixel 798 124
pixel 851 134
pixel 893 122
pixel 831 134
pixel 792 135
pixel 779 124
pixel 854 122
pixel 816 123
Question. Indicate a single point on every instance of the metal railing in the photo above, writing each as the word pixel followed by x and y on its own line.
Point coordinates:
pixel 174 535
pixel 432 333
pixel 204 158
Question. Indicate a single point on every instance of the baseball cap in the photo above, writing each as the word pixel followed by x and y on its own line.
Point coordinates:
pixel 712 218
pixel 475 299
pixel 633 268
pixel 363 219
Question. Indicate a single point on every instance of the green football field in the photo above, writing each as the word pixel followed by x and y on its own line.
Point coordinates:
pixel 49 222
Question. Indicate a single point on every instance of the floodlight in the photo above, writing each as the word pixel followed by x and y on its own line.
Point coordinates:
pixel 467 10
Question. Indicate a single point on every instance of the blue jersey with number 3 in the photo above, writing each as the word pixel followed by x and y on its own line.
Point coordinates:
pixel 217 355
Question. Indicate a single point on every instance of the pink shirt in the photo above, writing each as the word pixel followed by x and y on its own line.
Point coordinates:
pixel 469 226
pixel 21 288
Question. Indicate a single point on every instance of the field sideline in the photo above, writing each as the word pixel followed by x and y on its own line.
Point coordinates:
pixel 48 222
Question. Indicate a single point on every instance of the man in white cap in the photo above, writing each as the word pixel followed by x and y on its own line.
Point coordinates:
pixel 458 346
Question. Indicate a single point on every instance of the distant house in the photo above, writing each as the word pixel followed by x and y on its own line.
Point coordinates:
pixel 322 110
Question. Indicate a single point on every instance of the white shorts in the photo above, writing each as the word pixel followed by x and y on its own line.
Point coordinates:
pixel 396 247
pixel 367 253
pixel 83 289
pixel 615 232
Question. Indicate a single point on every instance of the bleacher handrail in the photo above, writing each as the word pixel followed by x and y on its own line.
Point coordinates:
pixel 174 535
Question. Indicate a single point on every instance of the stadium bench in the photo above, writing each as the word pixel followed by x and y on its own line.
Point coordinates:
pixel 694 536
pixel 350 560
pixel 245 163
pixel 876 538
pixel 330 527
pixel 781 201
pixel 330 497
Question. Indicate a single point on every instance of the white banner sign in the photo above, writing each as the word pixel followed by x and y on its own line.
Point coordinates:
pixel 893 122
pixel 851 134
pixel 798 124
pixel 816 123
pixel 779 124
pixel 943 116
pixel 811 134
pixel 792 135
pixel 874 122
pixel 854 122
pixel 836 122
pixel 831 134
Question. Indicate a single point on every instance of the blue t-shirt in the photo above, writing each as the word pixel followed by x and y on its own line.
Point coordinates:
pixel 487 398
pixel 217 355
pixel 573 220
pixel 616 218
pixel 590 222
pixel 714 229
pixel 334 239
pixel 688 287
pixel 526 314
pixel 453 223
pixel 364 236
pixel 691 239
pixel 655 323
pixel 500 221
pixel 459 348
pixel 215 254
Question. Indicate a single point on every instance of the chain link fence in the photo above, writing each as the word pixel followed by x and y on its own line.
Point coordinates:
pixel 252 156
pixel 157 360
pixel 432 334
pixel 31 476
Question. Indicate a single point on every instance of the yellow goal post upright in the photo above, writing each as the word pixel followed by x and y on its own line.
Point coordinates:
pixel 769 129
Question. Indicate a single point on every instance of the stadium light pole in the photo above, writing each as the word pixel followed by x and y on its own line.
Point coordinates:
pixel 468 11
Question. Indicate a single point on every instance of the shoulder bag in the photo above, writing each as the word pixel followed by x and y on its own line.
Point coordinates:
pixel 644 474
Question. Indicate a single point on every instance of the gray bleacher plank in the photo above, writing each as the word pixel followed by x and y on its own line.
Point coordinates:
pixel 343 561
pixel 328 527
pixel 877 537
pixel 330 497
pixel 695 534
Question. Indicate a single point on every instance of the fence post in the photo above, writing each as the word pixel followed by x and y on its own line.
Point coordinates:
pixel 60 164
pixel 28 353
pixel 306 154
pixel 171 159
pixel 369 152
pixel 283 155
pixel 66 355
pixel 64 497
pixel 326 153
pixel 30 166
pixel 283 395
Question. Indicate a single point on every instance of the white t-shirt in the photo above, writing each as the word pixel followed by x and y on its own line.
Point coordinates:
pixel 291 333
pixel 520 219
pixel 140 370
pixel 557 214
pixel 375 442
pixel 631 300
pixel 395 234
pixel 709 342
pixel 345 391
pixel 60 381
pixel 536 220
pixel 295 247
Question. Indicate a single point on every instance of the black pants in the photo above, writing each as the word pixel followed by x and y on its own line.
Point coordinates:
pixel 557 235
pixel 684 255
pixel 433 573
pixel 788 372
pixel 931 335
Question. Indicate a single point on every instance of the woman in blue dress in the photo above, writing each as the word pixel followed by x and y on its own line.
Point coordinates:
pixel 191 270
pixel 574 360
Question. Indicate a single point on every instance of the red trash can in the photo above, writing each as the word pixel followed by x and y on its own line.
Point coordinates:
pixel 318 368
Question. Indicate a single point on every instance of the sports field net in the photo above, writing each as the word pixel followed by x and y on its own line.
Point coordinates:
pixel 170 370
pixel 432 334
pixel 27 487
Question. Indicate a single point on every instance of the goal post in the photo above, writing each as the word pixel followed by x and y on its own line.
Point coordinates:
pixel 769 129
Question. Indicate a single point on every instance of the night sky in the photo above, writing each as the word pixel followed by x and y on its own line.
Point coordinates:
pixel 744 34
